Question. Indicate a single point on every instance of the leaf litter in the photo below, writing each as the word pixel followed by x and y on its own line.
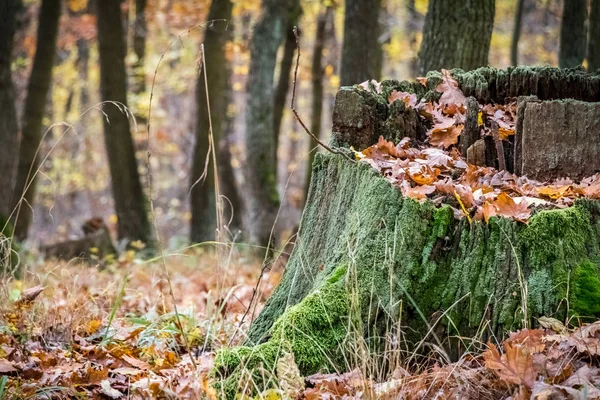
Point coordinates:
pixel 436 171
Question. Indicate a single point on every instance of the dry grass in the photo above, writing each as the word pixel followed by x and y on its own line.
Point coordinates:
pixel 89 324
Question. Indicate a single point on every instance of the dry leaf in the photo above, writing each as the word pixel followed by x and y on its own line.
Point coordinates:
pixel 513 367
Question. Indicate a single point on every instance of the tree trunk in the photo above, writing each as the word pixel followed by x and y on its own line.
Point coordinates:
pixel 593 50
pixel 33 114
pixel 283 82
pixel 203 201
pixel 410 26
pixel 261 165
pixel 130 201
pixel 361 51
pixel 572 34
pixel 456 35
pixel 372 267
pixel 140 31
pixel 9 127
pixel 287 62
pixel 317 88
pixel 516 33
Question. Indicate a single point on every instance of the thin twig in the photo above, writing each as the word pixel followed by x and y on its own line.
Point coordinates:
pixel 293 106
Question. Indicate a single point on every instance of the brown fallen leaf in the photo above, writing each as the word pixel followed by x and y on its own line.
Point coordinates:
pixel 29 295
pixel 141 364
pixel 514 367
pixel 451 93
pixel 507 207
pixel 447 137
pixel 6 367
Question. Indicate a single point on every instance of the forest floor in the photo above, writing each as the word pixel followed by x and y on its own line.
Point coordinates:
pixel 75 331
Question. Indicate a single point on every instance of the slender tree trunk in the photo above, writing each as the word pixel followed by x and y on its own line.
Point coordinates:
pixel 261 165
pixel 9 127
pixel 593 50
pixel 456 35
pixel 411 33
pixel 218 71
pixel 130 201
pixel 516 33
pixel 361 51
pixel 35 105
pixel 140 31
pixel 287 62
pixel 572 34
pixel 317 89
pixel 283 83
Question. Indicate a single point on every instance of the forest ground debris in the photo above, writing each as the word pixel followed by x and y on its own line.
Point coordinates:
pixel 444 177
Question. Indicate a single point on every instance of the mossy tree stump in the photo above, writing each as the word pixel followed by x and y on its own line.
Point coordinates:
pixel 373 271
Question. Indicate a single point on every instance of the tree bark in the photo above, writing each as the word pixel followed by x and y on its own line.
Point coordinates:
pixel 456 35
pixel 411 33
pixel 9 127
pixel 593 50
pixel 261 165
pixel 283 82
pixel 33 114
pixel 130 201
pixel 516 33
pixel 140 31
pixel 218 71
pixel 316 72
pixel 361 51
pixel 572 34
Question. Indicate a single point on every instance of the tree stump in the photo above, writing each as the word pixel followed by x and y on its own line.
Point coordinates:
pixel 373 271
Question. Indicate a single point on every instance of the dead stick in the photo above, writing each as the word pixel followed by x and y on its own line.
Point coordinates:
pixel 293 107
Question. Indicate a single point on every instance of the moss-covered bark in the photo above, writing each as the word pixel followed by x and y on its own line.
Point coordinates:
pixel 366 255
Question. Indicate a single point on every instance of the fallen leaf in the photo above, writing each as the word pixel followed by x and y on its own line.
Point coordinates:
pixel 451 93
pixel 513 367
pixel 109 391
pixel 506 207
pixel 446 137
pixel 6 367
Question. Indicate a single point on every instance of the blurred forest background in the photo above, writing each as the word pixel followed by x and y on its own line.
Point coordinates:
pixel 161 40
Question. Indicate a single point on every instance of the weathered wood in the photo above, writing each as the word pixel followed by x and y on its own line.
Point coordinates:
pixel 560 139
pixel 360 116
pixel 471 132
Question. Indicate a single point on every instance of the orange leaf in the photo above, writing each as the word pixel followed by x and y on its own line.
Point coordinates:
pixel 506 207
pixel 489 211
pixel 447 137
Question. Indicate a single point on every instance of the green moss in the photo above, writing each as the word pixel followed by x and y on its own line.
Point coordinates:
pixel 315 331
pixel 553 244
pixel 585 296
